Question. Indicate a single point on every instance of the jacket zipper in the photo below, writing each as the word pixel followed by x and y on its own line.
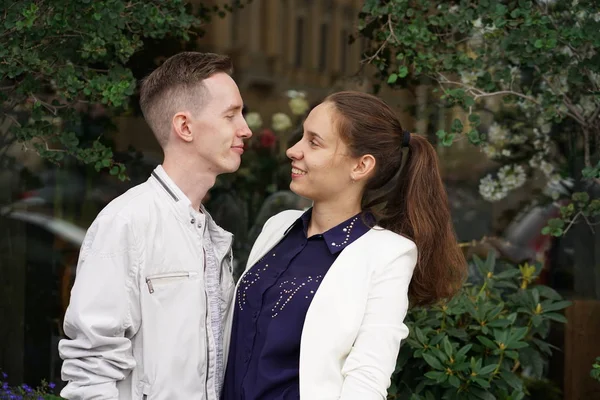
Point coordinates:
pixel 150 279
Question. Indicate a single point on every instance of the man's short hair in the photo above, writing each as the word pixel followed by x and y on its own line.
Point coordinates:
pixel 178 84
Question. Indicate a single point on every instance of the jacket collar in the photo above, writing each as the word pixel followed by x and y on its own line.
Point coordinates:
pixel 184 211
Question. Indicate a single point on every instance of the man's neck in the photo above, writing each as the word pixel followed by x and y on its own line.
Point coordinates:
pixel 191 180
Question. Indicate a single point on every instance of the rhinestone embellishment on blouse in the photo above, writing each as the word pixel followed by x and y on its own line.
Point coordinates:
pixel 293 287
pixel 348 230
pixel 248 280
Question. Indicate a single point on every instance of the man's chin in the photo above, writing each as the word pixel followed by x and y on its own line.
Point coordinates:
pixel 229 169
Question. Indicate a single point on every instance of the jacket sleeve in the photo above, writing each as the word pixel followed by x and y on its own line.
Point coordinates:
pixel 372 360
pixel 99 321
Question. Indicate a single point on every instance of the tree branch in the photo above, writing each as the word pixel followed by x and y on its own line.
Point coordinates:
pixel 571 222
pixel 566 101
pixel 478 93
pixel 390 35
pixel 586 147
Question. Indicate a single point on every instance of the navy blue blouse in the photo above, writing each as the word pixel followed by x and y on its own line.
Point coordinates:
pixel 271 303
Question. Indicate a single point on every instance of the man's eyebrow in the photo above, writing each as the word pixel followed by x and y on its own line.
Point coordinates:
pixel 233 107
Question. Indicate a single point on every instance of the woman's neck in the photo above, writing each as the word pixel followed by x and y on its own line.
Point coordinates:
pixel 326 216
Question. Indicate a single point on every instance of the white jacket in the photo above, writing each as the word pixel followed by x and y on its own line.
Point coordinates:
pixel 354 325
pixel 137 320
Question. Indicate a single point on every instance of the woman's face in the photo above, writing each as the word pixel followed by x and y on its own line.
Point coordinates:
pixel 321 161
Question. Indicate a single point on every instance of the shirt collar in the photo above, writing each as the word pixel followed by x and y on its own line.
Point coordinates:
pixel 342 235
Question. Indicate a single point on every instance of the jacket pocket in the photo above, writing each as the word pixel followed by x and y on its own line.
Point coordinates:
pixel 144 391
pixel 166 278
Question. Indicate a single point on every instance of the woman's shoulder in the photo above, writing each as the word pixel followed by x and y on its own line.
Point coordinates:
pixel 283 218
pixel 384 240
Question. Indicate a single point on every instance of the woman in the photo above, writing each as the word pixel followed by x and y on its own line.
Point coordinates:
pixel 319 312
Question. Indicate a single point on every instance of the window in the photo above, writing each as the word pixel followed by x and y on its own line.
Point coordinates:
pixel 343 50
pixel 323 40
pixel 299 42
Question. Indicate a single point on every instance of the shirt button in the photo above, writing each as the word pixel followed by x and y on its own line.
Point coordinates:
pixel 199 224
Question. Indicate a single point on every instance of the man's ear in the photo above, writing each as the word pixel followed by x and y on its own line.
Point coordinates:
pixel 181 126
pixel 364 167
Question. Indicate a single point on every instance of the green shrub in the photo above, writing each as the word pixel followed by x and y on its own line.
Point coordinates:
pixel 484 343
pixel 595 372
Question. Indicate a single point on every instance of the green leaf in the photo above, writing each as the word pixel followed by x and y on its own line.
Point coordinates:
pixel 500 323
pixel 392 78
pixel 482 382
pixel 556 317
pixel 420 336
pixel 513 354
pixel 559 305
pixel 488 369
pixel 454 381
pixel 548 292
pixel 402 71
pixel 516 334
pixel 482 394
pixel 437 376
pixel 457 125
pixel 512 379
pixel 539 44
pixel 447 347
pixel 432 361
pixel 509 273
pixel 463 351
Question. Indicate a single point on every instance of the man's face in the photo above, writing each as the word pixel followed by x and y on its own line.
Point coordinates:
pixel 219 128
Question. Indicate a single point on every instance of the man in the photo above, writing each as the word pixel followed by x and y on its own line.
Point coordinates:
pixel 154 275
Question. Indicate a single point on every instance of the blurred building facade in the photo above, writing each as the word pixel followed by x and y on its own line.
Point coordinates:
pixel 279 45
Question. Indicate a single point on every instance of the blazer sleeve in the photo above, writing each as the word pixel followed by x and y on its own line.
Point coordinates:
pixel 98 321
pixel 372 360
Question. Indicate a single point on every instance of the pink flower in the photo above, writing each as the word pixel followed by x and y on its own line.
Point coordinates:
pixel 267 139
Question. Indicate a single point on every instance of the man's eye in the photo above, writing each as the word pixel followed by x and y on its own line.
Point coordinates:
pixel 313 143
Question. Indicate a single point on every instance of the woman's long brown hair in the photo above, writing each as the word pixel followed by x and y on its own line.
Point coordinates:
pixel 405 196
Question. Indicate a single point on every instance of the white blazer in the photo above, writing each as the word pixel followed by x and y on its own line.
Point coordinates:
pixel 354 324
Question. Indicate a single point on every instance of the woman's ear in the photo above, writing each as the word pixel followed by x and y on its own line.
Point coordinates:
pixel 364 167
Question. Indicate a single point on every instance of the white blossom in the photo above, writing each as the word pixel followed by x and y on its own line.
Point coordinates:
pixel 497 133
pixel 254 120
pixel 512 176
pixel 292 94
pixel 298 105
pixel 490 189
pixel 281 122
pixel 566 50
pixel 490 151
pixel 509 177
pixel 506 153
pixel 546 168
pixel 518 139
pixel 477 23
pixel 587 106
pixel 470 77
